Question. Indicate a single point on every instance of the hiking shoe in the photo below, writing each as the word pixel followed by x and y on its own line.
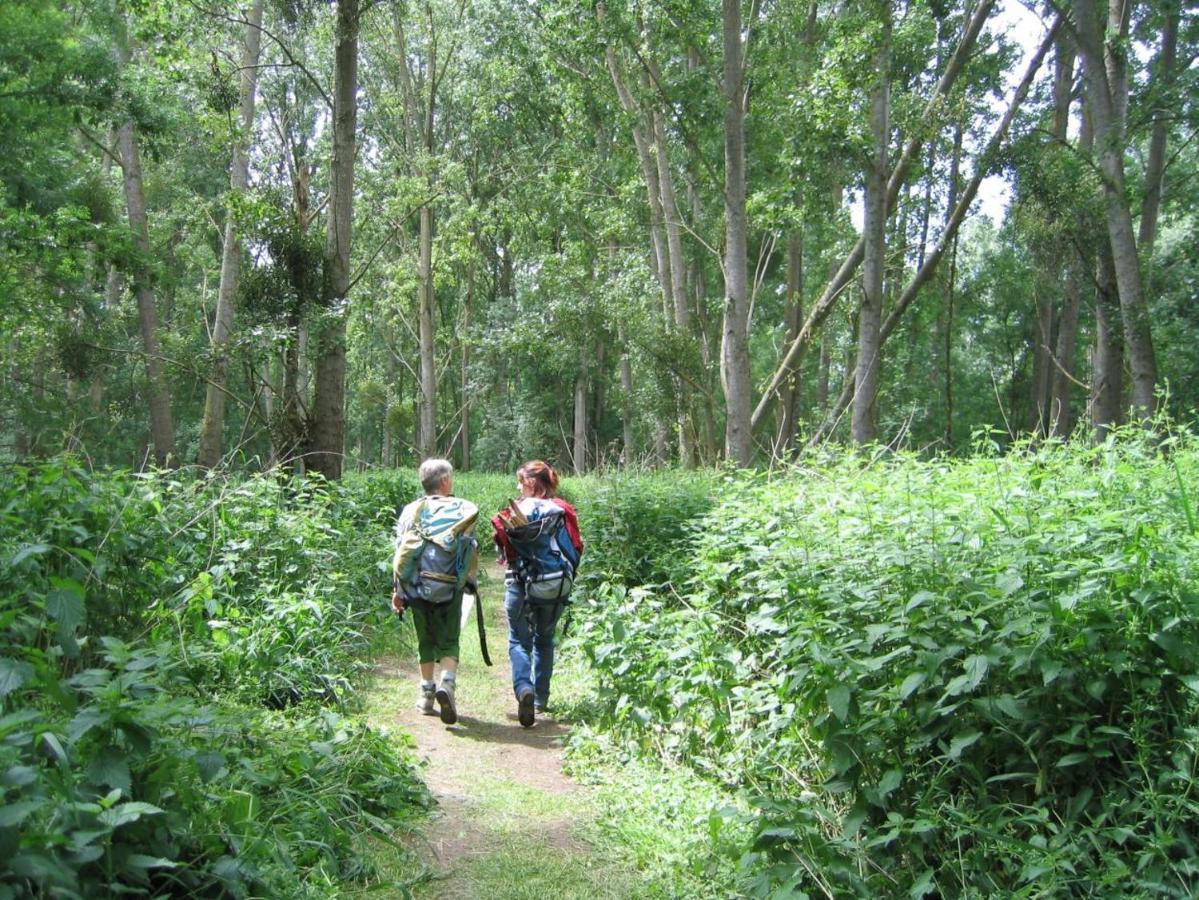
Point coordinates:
pixel 445 699
pixel 524 709
pixel 424 699
pixel 539 709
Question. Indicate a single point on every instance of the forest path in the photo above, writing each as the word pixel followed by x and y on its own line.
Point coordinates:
pixel 508 823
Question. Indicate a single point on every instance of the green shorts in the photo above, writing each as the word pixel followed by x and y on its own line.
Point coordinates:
pixel 437 629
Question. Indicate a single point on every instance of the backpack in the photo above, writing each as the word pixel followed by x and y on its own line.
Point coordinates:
pixel 546 558
pixel 439 553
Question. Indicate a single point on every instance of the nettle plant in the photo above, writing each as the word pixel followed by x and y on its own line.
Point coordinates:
pixel 939 677
pixel 136 753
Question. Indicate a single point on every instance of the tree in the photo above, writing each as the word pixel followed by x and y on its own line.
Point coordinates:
pixel 328 422
pixel 231 251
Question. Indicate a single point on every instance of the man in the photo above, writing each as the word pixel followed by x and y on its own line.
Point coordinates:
pixel 436 562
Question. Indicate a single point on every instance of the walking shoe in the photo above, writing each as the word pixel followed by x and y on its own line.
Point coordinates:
pixel 424 698
pixel 524 709
pixel 445 699
pixel 539 709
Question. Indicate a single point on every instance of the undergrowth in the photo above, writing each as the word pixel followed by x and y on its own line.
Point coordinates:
pixel 176 656
pixel 928 678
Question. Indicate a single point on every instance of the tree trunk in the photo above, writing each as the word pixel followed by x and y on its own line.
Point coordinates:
pixel 212 427
pixel 1060 420
pixel 162 429
pixel 1106 76
pixel 428 362
pixel 789 399
pixel 734 355
pixel 464 341
pixel 329 423
pixel 626 412
pixel 864 428
pixel 1162 85
pixel 1107 364
pixel 579 453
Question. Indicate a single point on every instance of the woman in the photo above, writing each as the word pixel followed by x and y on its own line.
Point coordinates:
pixel 538 539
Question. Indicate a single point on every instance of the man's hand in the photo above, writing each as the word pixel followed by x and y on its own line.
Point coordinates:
pixel 397 602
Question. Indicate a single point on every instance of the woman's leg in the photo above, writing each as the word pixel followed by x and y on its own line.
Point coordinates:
pixel 520 639
pixel 545 622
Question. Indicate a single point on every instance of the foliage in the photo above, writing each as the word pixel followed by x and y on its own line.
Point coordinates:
pixel 147 623
pixel 638 526
pixel 969 677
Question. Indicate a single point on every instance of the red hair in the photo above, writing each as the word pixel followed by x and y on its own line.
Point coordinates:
pixel 542 479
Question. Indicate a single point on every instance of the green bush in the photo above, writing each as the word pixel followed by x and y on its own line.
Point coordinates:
pixel 145 623
pixel 638 527
pixel 951 678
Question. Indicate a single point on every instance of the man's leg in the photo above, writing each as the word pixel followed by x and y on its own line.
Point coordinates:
pixel 446 628
pixel 426 655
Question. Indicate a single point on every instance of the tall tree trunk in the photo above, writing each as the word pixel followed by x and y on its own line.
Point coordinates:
pixel 579 453
pixel 464 340
pixel 1105 71
pixel 213 424
pixel 428 362
pixel 734 355
pixel 162 428
pixel 1060 420
pixel 789 399
pixel 329 423
pixel 1155 165
pixel 864 428
pixel 626 413
pixel 1107 364
pixel 678 280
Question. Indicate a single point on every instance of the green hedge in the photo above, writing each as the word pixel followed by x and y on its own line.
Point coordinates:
pixel 975 678
pixel 147 622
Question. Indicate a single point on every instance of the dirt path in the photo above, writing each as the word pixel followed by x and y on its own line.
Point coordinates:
pixel 507 822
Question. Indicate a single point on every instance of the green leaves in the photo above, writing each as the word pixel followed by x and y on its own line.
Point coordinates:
pixel 915 683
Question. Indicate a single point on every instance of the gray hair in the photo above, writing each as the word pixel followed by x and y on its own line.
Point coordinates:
pixel 433 472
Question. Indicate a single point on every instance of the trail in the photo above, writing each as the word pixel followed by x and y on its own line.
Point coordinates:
pixel 508 822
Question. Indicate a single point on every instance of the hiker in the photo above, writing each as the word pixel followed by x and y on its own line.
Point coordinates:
pixel 538 539
pixel 436 561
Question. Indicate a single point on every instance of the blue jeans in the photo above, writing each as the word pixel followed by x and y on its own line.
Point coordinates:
pixel 530 642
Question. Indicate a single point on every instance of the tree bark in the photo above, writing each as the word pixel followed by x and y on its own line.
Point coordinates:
pixel 579 454
pixel 1107 364
pixel 464 342
pixel 1161 85
pixel 626 412
pixel 1105 71
pixel 1060 419
pixel 425 313
pixel 329 424
pixel 213 424
pixel 734 355
pixel 789 400
pixel 162 428
pixel 864 427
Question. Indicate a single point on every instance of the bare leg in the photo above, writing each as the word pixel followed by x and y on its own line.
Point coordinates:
pixel 426 671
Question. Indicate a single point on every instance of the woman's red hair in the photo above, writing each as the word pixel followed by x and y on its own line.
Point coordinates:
pixel 542 479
